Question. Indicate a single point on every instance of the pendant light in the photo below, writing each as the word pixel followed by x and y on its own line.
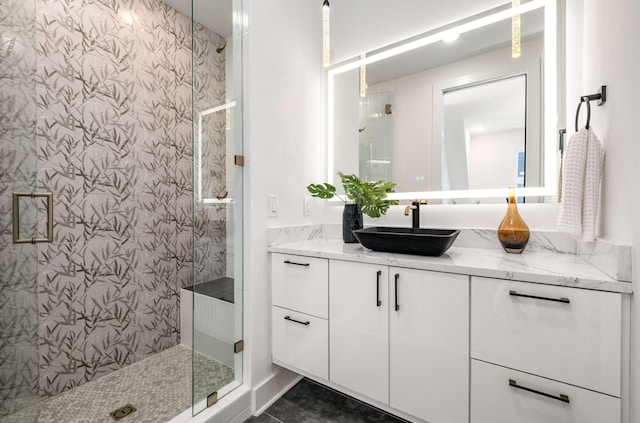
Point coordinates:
pixel 326 56
pixel 515 32
pixel 363 77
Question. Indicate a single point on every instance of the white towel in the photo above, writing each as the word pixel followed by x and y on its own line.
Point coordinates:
pixel 583 161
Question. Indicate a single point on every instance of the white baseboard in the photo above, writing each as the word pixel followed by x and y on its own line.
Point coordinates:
pixel 272 389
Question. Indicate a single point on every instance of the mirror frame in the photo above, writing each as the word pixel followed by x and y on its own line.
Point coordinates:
pixel 550 114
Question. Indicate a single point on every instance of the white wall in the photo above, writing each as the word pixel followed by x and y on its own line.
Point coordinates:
pixel 493 158
pixel 283 145
pixel 601 52
pixel 347 124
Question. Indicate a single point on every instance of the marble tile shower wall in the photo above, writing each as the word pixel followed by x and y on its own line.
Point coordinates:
pixel 18 263
pixel 114 145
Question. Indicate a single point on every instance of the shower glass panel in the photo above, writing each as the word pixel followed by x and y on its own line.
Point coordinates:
pixel 19 375
pixel 217 237
pixel 376 136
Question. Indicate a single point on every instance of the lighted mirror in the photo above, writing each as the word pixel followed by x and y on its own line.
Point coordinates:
pixel 450 114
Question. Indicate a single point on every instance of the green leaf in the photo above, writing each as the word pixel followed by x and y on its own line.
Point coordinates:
pixel 325 190
pixel 369 196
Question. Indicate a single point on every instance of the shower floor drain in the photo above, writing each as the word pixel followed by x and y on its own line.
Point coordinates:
pixel 122 412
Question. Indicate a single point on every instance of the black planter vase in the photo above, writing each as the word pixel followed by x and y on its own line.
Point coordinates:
pixel 351 219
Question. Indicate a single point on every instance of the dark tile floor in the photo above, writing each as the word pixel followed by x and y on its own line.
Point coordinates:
pixel 309 402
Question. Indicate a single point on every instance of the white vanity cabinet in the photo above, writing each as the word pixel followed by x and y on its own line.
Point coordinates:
pixel 442 347
pixel 544 353
pixel 400 336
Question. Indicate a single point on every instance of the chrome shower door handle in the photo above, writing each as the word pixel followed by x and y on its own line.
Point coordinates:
pixel 16 217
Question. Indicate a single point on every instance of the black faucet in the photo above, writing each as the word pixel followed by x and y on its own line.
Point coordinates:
pixel 415 212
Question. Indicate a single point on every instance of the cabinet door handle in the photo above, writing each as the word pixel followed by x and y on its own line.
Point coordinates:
pixel 297 264
pixel 296 321
pixel 397 277
pixel 557 300
pixel 563 398
pixel 378 302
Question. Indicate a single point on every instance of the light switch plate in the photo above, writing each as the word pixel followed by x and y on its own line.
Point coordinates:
pixel 272 205
pixel 306 206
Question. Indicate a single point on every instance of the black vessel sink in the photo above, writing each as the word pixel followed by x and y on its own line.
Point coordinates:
pixel 423 242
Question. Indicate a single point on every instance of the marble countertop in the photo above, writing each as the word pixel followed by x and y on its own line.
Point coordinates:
pixel 534 266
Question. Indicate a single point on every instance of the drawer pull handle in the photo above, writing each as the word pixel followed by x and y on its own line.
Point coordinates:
pixel 563 398
pixel 557 300
pixel 378 302
pixel 297 264
pixel 397 277
pixel 296 321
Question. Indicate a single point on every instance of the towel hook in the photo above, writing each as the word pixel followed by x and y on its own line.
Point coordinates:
pixel 601 95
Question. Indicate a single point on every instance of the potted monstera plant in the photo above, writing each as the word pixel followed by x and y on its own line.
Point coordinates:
pixel 359 198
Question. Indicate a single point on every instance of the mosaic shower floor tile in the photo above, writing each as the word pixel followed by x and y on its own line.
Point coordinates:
pixel 159 388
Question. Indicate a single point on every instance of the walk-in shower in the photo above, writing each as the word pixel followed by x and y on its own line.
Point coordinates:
pixel 128 112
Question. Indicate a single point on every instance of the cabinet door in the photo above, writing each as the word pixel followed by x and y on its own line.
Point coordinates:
pixel 359 328
pixel 429 344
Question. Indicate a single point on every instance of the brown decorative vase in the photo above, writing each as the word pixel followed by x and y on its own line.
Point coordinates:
pixel 513 233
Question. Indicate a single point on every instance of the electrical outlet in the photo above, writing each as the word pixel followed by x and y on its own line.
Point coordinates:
pixel 306 206
pixel 272 204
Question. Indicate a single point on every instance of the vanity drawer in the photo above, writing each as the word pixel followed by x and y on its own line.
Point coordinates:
pixel 301 284
pixel 300 341
pixel 566 334
pixel 495 400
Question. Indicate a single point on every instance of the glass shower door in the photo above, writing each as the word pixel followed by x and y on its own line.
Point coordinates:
pixel 217 242
pixel 19 376
pixel 376 136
